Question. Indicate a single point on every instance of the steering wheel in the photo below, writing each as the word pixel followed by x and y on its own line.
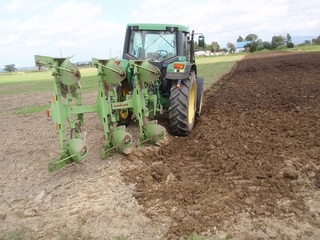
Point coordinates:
pixel 163 53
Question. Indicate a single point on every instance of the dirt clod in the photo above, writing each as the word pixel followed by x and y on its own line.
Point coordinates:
pixel 291 175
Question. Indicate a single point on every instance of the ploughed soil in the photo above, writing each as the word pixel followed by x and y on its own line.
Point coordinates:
pixel 251 166
pixel 250 169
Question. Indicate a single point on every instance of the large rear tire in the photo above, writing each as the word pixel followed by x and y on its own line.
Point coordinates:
pixel 182 107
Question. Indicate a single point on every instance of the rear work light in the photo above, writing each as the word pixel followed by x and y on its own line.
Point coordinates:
pixel 178 66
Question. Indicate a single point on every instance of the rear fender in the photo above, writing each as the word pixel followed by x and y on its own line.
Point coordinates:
pixel 178 70
pixel 200 88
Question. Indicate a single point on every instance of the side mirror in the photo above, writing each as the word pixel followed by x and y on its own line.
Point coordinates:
pixel 201 41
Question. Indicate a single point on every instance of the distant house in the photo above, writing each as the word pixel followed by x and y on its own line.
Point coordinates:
pixel 208 53
pixel 240 46
pixel 220 52
pixel 200 53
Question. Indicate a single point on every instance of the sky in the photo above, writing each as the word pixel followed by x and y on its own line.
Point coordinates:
pixel 92 28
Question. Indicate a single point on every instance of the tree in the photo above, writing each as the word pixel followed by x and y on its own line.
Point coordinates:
pixel 214 47
pixel 204 48
pixel 290 45
pixel 252 47
pixel 10 68
pixel 251 37
pixel 240 39
pixel 316 40
pixel 224 49
pixel 289 42
pixel 254 44
pixel 231 47
pixel 277 41
pixel 196 46
pixel 288 38
pixel 266 45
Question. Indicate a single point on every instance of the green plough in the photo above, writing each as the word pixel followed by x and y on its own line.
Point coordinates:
pixel 67 110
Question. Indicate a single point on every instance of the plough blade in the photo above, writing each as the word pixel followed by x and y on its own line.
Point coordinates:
pixel 154 132
pixel 121 139
pixel 75 151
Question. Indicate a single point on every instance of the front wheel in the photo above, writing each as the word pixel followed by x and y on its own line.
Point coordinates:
pixel 182 107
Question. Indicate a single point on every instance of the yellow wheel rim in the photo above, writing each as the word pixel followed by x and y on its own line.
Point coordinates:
pixel 124 113
pixel 192 103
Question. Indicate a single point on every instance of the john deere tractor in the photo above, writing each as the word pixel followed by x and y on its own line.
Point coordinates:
pixel 156 73
pixel 179 89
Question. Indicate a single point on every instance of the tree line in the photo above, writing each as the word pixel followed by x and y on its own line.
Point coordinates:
pixel 256 44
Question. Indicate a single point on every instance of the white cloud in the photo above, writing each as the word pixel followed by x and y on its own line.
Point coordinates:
pixel 15 6
pixel 33 42
pixel 10 38
pixel 96 28
pixel 224 21
pixel 69 27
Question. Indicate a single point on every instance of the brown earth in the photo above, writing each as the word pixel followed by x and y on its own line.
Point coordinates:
pixel 249 170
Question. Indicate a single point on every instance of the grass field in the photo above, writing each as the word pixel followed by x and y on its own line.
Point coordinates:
pixel 211 68
pixel 307 47
pixel 208 67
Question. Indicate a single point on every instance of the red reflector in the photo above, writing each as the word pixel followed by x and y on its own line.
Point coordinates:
pixel 48 112
pixel 116 62
pixel 178 66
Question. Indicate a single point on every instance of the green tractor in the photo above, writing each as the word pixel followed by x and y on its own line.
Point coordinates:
pixel 179 89
pixel 157 72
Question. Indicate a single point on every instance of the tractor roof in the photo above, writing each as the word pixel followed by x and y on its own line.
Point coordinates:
pixel 158 26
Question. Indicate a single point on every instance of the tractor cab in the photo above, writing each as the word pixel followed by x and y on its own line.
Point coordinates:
pixel 155 46
pixel 160 44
